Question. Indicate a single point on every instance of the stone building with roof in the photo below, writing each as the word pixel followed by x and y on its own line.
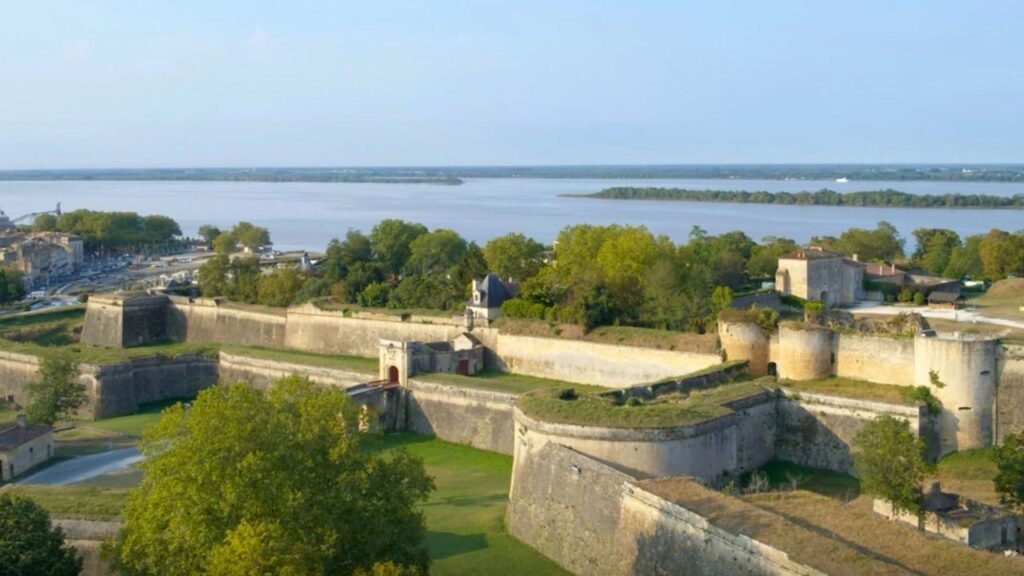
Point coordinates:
pixel 816 274
pixel 23 447
pixel 488 296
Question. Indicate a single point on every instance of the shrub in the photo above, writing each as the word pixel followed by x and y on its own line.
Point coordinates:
pixel 919 298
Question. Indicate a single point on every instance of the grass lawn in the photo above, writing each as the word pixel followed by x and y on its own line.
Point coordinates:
pixel 1003 300
pixel 622 335
pixel 338 361
pixel 850 388
pixel 969 473
pixel 503 382
pixel 74 500
pixel 465 516
pixel 662 412
pixel 7 416
pixel 781 475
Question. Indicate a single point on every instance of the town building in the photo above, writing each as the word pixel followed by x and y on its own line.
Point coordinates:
pixel 945 300
pixel 488 296
pixel 889 273
pixel 42 256
pixel 816 274
pixel 23 447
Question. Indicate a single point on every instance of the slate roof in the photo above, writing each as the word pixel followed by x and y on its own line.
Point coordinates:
pixel 944 297
pixel 11 438
pixel 492 291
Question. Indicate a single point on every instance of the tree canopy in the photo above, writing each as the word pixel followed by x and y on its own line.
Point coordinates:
pixel 56 394
pixel 250 482
pixel 890 462
pixel 29 545
pixel 104 231
pixel 1009 480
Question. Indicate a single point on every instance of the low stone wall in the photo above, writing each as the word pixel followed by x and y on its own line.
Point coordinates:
pixel 593 520
pixel 817 430
pixel 592 363
pixel 262 373
pixel 205 320
pixel 709 378
pixel 731 444
pixel 16 372
pixel 478 418
pixel 314 330
pixel 119 389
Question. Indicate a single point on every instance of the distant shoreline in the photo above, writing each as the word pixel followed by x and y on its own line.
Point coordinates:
pixel 825 197
pixel 842 173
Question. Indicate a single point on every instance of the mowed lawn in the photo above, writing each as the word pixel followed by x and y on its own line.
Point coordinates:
pixel 465 516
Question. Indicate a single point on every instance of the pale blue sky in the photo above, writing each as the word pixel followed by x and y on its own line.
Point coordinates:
pixel 128 83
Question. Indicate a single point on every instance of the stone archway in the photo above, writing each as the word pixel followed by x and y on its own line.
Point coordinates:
pixel 393 374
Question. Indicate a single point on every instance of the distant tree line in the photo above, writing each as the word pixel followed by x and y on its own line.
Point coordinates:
pixel 593 276
pixel 876 198
pixel 112 231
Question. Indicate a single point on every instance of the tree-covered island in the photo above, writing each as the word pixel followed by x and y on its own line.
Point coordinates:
pixel 887 198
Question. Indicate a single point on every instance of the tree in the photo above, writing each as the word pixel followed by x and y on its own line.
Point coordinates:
pixel 29 545
pixel 721 299
pixel 246 481
pixel 881 244
pixel 56 394
pixel 224 243
pixel 1001 254
pixel 208 232
pixel 213 276
pixel 391 239
pixel 279 288
pixel 435 252
pixel 1009 480
pixel 44 223
pixel 160 229
pixel 890 462
pixel 513 256
pixel 250 236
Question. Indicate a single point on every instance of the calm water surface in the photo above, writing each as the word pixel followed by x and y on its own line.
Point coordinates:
pixel 307 215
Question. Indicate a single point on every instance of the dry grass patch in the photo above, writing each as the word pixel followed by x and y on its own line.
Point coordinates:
pixel 890 544
pixel 619 335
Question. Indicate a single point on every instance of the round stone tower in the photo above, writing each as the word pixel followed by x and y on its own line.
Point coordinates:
pixel 960 371
pixel 744 341
pixel 805 351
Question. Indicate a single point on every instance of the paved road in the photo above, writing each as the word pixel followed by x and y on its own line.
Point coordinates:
pixel 956 315
pixel 84 467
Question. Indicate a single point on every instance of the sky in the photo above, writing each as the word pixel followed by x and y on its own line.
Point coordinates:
pixel 107 83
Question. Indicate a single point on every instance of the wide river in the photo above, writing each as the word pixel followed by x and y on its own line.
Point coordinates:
pixel 307 215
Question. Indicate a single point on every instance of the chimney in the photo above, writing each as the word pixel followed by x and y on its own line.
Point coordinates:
pixel 856 258
pixel 22 420
pixel 892 268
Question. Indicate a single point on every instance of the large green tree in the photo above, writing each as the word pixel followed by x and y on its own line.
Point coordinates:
pixel 56 394
pixel 514 256
pixel 1009 480
pixel 890 462
pixel 391 241
pixel 29 545
pixel 435 252
pixel 281 478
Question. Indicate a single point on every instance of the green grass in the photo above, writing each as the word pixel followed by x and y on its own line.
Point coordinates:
pixel 465 516
pixel 781 475
pixel 665 411
pixel 977 464
pixel 7 416
pixel 133 425
pixel 857 389
pixel 503 382
pixel 338 361
pixel 74 500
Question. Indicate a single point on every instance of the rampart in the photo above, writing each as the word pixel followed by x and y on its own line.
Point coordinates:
pixel 310 329
pixel 597 520
pixel 118 389
pixel 817 430
pixel 16 372
pixel 478 418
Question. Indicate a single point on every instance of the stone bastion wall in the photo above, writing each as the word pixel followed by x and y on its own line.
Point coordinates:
pixel 310 329
pixel 977 380
pixel 594 519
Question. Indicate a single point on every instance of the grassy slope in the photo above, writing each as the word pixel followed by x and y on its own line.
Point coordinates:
pixel 850 388
pixel 503 382
pixel 465 516
pixel 340 362
pixel 621 335
pixel 665 411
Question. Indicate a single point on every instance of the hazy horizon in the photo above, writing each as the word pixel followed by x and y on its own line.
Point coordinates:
pixel 115 84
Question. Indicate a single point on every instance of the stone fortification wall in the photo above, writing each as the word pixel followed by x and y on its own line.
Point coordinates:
pixel 1009 413
pixel 817 430
pixel 961 372
pixel 478 418
pixel 594 520
pixel 592 363
pixel 731 444
pixel 262 373
pixel 16 372
pixel 144 321
pixel 804 352
pixel 102 326
pixel 206 320
pixel 315 330
pixel 745 341
pixel 879 359
pixel 119 389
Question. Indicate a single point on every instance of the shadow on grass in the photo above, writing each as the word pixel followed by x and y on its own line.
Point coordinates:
pixel 392 440
pixel 447 544
pixel 464 501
